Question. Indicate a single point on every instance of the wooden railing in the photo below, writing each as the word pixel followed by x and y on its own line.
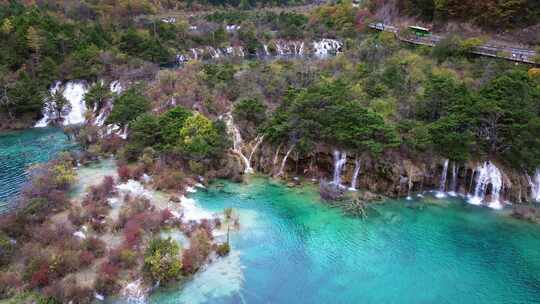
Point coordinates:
pixel 490 50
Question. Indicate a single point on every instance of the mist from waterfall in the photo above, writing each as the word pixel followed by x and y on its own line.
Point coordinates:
pixel 442 187
pixel 488 174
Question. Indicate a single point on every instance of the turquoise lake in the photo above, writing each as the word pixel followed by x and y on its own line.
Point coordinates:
pixel 19 150
pixel 293 249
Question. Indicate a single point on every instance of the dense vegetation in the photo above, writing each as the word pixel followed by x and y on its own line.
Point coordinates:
pixel 377 96
pixel 489 13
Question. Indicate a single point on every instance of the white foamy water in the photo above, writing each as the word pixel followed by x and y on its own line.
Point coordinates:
pixel 534 183
pixel 488 174
pixel 221 278
pixel 134 292
pixel 442 187
pixel 74 92
pixel 340 159
pixel 133 188
pixel 192 211
pixel 325 47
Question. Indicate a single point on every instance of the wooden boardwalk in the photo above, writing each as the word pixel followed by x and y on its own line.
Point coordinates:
pixel 490 50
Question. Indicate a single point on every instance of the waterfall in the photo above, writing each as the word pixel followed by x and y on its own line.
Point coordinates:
pixel 258 141
pixel 321 48
pixel 355 174
pixel 325 47
pixel 488 174
pixel 442 186
pixel 453 185
pixel 237 142
pixel 410 184
pixel 340 158
pixel 74 93
pixel 284 161
pixel 535 185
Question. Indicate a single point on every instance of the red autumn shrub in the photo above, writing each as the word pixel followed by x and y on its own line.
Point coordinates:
pixel 166 215
pixel 124 173
pixel 132 232
pixel 44 234
pixel 40 278
pixel 87 258
pixel 198 251
pixel 109 270
pixel 206 225
pixel 149 221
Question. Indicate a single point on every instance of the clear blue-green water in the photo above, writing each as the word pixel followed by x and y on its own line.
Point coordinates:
pixel 20 149
pixel 293 249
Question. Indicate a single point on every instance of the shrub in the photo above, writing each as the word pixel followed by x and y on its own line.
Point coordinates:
pixel 107 285
pixel 132 232
pixel 7 249
pixel 162 260
pixel 199 250
pixel 40 277
pixel 100 192
pixel 86 257
pixel 168 179
pixel 94 245
pixel 10 282
pixel 123 257
pixel 124 173
pixel 223 249
pixel 109 270
pixel 127 107
pixel 112 143
pixel 75 216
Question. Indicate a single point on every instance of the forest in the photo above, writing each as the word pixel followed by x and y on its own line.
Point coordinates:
pixel 177 122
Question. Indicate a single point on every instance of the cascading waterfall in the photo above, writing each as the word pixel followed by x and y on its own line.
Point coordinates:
pixel 74 93
pixel 340 159
pixel 237 142
pixel 325 47
pixel 488 174
pixel 258 142
pixel 284 161
pixel 534 183
pixel 281 48
pixel 453 185
pixel 442 186
pixel 116 88
pixel 355 174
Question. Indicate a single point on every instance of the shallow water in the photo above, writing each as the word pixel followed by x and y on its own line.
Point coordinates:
pixel 293 249
pixel 20 149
